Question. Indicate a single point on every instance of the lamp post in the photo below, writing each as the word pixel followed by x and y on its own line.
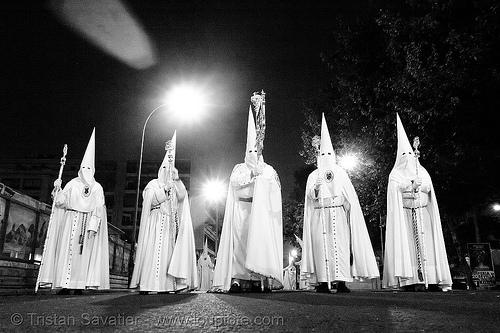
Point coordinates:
pixel 134 231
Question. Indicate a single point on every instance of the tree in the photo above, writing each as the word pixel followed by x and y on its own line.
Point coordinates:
pixel 436 63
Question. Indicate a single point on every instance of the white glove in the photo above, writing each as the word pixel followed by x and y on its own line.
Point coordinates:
pixel 258 170
pixel 417 182
pixel 57 183
pixel 318 184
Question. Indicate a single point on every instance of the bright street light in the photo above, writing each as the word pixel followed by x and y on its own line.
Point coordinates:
pixel 186 102
pixel 496 207
pixel 187 111
pixel 215 191
pixel 348 162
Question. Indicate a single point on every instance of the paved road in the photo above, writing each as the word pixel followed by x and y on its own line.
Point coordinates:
pixel 368 311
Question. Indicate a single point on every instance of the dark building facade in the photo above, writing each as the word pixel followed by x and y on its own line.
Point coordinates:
pixel 34 177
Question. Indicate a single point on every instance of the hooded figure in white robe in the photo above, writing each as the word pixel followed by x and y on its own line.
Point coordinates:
pixel 330 198
pixel 413 258
pixel 205 269
pixel 76 254
pixel 251 245
pixel 165 259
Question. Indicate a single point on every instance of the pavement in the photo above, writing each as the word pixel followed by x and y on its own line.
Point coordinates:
pixel 279 311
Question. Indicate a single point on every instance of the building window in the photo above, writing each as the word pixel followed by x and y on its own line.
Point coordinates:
pixel 129 200
pixel 184 166
pixel 127 219
pixel 110 201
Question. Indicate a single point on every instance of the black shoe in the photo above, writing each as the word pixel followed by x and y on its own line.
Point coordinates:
pixel 235 288
pixel 342 288
pixel 266 290
pixel 63 291
pixel 410 288
pixel 256 288
pixel 434 288
pixel 323 288
pixel 78 292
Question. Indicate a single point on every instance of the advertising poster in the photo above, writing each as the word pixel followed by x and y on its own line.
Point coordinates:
pixel 481 264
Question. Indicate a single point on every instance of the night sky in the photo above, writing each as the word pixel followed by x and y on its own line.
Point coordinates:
pixel 56 85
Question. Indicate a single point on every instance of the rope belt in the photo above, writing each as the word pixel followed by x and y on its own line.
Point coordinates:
pixel 245 199
pixel 414 207
pixel 336 206
pixel 155 207
pixel 418 248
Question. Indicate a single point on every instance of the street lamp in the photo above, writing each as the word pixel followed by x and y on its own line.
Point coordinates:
pixel 215 191
pixel 193 105
pixel 348 162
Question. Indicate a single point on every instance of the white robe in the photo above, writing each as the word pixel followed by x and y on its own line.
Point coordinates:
pixel 74 214
pixel 205 271
pixel 164 261
pixel 251 245
pixel 290 277
pixel 342 208
pixel 400 262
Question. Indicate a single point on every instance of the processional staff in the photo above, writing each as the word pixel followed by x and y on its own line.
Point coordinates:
pixel 174 222
pixel 259 107
pixel 316 143
pixel 420 240
pixel 55 191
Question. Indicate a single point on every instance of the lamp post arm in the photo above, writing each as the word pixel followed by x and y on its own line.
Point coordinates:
pixel 134 230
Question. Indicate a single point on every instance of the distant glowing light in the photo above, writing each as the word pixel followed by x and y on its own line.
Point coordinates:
pixel 214 190
pixel 496 207
pixel 348 162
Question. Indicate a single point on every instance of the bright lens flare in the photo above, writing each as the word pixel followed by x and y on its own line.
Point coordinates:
pixel 186 102
pixel 214 190
pixel 496 207
pixel 348 162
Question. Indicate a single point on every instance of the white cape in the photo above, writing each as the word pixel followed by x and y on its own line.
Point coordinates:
pixel 182 263
pixel 265 234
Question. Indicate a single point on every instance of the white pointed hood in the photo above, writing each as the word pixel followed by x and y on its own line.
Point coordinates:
pixel 205 250
pixel 405 158
pixel 87 167
pixel 168 160
pixel 326 161
pixel 251 148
